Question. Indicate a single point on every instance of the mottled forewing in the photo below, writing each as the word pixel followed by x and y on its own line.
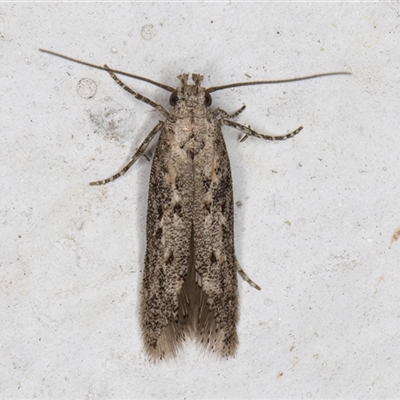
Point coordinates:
pixel 169 218
pixel 216 272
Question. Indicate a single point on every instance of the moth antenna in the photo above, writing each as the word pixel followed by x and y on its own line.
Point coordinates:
pixel 303 78
pixel 116 71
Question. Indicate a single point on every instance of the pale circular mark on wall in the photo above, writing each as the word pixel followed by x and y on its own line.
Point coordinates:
pixel 148 32
pixel 86 88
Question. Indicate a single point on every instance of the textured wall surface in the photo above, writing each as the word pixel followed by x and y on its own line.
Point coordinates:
pixel 315 215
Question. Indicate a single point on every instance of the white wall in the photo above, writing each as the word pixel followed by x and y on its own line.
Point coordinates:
pixel 314 228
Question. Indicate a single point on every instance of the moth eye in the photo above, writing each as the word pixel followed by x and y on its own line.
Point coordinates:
pixel 173 98
pixel 208 99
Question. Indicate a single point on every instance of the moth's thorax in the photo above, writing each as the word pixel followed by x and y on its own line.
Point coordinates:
pixel 192 135
pixel 190 100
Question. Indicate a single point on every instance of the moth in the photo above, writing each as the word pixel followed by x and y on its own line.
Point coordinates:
pixel 190 286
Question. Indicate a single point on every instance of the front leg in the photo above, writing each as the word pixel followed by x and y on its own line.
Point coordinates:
pixel 250 132
pixel 223 114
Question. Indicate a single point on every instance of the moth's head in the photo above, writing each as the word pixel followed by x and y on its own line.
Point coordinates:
pixel 190 95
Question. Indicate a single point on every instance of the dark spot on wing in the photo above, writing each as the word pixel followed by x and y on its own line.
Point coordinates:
pixel 213 259
pixel 207 206
pixel 178 209
pixel 170 259
pixel 206 184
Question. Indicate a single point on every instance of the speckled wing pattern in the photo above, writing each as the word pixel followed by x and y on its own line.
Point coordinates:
pixel 216 274
pixel 169 227
pixel 190 278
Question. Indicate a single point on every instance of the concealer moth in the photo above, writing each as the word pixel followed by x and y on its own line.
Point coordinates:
pixel 189 286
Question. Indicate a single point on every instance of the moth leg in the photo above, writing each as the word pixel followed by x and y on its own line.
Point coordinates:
pixel 222 113
pixel 139 152
pixel 244 276
pixel 137 95
pixel 250 132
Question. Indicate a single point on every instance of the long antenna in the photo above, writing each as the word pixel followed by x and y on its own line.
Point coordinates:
pixel 232 85
pixel 209 90
pixel 116 71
